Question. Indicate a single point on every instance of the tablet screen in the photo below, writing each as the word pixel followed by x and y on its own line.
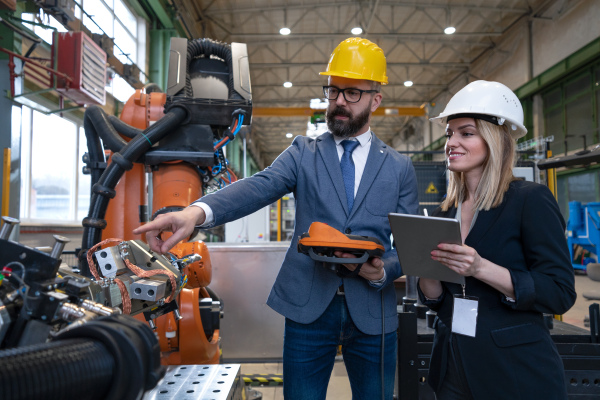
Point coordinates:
pixel 415 236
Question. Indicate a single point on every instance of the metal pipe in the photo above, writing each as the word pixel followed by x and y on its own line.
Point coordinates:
pixel 5 182
pixel 99 308
pixel 59 246
pixel 245 150
pixel 50 70
pixel 7 227
pixel 411 287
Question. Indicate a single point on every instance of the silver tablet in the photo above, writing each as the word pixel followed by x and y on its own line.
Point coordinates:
pixel 415 236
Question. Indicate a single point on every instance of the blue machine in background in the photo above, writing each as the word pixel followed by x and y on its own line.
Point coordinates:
pixel 583 229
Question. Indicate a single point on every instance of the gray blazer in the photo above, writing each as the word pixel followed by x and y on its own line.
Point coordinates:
pixel 310 169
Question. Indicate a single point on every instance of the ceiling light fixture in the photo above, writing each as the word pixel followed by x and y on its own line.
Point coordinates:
pixel 287 84
pixel 285 31
pixel 357 31
pixel 408 83
pixel 449 30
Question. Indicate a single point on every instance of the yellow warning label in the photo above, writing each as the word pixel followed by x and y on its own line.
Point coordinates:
pixel 431 189
pixel 263 380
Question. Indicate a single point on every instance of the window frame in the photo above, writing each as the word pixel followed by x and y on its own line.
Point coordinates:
pixel 27 140
pixel 139 36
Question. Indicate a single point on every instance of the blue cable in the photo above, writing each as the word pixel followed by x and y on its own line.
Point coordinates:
pixel 239 126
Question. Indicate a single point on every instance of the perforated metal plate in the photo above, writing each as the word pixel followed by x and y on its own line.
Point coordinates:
pixel 198 382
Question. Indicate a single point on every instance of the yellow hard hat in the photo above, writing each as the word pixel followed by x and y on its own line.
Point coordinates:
pixel 358 58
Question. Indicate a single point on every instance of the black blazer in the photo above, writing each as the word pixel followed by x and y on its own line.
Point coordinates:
pixel 512 356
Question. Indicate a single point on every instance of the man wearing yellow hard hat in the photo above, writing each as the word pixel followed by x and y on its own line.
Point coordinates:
pixel 350 180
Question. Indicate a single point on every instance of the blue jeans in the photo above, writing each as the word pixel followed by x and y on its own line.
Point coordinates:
pixel 309 352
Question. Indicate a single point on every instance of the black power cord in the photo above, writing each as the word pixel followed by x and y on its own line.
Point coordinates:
pixel 382 348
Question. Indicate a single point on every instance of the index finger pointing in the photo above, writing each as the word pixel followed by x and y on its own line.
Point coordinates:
pixel 150 226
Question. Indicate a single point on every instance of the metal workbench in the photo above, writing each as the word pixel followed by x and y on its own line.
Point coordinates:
pixel 199 382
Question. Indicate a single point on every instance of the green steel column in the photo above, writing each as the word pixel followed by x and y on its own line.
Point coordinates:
pixel 160 44
pixel 233 155
pixel 10 139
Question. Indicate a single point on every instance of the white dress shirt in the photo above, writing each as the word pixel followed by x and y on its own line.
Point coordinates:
pixel 359 155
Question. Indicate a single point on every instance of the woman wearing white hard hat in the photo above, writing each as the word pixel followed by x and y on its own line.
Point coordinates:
pixel 491 340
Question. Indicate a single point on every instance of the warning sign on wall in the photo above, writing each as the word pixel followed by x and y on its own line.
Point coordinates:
pixel 431 189
pixel 431 181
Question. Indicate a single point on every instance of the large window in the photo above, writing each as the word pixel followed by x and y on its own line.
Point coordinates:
pixel 116 20
pixel 571 111
pixel 582 186
pixel 113 18
pixel 53 188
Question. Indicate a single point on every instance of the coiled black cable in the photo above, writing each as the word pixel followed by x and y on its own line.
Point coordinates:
pixel 114 357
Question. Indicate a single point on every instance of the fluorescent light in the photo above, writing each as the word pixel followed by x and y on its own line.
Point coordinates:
pixel 289 135
pixel 285 31
pixel 287 84
pixel 357 31
pixel 408 83
pixel 449 30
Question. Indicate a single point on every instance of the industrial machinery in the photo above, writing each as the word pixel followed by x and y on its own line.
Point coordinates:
pixel 54 322
pixel 177 137
pixel 583 227
pixel 76 331
pixel 583 233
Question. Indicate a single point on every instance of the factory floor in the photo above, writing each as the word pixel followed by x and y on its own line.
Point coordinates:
pixel 339 387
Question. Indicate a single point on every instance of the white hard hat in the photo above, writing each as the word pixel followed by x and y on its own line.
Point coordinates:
pixel 490 101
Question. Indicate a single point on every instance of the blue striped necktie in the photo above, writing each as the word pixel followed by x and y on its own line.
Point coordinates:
pixel 348 170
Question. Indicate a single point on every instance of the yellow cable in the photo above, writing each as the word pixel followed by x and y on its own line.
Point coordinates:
pixel 6 182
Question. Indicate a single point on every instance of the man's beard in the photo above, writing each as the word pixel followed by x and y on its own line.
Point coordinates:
pixel 346 128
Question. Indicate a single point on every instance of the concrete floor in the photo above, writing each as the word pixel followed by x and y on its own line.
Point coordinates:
pixel 339 387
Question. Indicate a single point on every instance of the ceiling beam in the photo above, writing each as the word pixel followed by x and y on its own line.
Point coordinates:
pixel 420 4
pixel 161 13
pixel 446 40
pixel 390 64
pixel 389 85
pixel 306 100
pixel 344 35
pixel 308 112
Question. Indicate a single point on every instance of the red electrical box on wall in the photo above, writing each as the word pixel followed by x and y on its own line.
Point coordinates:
pixel 85 63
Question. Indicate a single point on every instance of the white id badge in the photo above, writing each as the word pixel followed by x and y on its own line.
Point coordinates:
pixel 464 315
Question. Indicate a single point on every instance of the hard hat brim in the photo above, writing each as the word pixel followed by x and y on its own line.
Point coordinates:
pixel 517 133
pixel 350 75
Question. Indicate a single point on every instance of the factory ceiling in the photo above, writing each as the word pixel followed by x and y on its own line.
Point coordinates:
pixel 411 34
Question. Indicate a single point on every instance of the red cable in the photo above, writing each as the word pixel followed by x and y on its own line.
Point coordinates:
pixel 222 141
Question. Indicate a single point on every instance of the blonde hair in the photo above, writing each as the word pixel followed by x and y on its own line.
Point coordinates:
pixel 497 170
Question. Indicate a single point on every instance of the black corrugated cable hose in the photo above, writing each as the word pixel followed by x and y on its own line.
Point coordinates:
pixel 123 128
pixel 103 189
pixel 208 47
pixel 115 357
pixel 96 126
pixel 95 150
pixel 104 128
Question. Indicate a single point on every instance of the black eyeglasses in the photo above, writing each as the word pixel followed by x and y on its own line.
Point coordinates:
pixel 351 95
